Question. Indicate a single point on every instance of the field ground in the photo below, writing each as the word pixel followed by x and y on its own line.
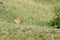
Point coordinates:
pixel 35 15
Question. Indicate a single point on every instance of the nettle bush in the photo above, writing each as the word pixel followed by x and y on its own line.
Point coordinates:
pixel 56 20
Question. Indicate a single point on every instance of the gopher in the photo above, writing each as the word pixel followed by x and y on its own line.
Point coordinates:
pixel 17 20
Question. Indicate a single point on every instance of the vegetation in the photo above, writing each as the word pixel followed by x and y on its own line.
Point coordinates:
pixel 38 19
pixel 56 20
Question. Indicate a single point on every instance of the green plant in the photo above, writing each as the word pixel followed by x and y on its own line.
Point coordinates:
pixel 56 19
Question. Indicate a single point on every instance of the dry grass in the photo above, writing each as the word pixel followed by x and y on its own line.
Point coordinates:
pixel 33 15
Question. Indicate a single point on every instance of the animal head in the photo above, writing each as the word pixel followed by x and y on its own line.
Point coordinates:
pixel 17 20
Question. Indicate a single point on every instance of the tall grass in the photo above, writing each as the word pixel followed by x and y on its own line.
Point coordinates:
pixel 33 15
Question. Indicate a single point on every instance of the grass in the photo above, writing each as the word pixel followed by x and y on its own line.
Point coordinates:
pixel 31 11
pixel 12 32
pixel 33 14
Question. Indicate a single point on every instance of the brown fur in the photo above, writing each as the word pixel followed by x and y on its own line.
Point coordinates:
pixel 17 20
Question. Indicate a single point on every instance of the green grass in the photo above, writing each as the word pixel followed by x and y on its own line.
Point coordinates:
pixel 12 32
pixel 33 14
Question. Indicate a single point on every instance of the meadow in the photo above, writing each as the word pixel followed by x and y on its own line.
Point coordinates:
pixel 34 14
